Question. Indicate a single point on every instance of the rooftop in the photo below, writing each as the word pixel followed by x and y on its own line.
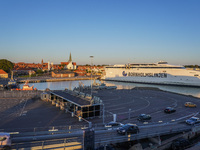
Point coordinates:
pixel 2 72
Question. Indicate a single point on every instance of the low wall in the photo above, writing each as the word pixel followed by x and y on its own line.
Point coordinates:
pixel 20 94
pixel 37 80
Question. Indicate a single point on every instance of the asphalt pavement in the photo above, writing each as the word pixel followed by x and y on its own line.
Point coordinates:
pixel 34 114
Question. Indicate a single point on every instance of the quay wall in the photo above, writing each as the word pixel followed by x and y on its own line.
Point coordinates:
pixel 20 94
pixel 36 80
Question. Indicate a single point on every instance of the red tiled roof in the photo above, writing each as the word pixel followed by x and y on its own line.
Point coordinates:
pixel 2 71
pixel 65 63
pixel 20 63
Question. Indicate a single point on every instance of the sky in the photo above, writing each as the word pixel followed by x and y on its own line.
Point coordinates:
pixel 113 31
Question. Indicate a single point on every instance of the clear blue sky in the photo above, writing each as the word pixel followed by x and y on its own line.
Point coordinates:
pixel 113 31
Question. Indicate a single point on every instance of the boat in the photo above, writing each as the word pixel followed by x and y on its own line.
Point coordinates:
pixel 26 87
pixel 99 86
pixel 12 84
pixel 160 73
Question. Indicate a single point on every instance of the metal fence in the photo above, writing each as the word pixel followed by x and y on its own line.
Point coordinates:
pixel 64 144
pixel 74 140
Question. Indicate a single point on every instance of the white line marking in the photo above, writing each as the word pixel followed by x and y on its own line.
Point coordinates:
pixel 23 108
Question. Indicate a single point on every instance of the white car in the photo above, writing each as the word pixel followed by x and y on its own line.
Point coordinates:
pixel 193 120
pixel 113 125
pixel 5 141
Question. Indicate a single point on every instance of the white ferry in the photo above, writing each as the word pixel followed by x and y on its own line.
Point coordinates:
pixel 153 73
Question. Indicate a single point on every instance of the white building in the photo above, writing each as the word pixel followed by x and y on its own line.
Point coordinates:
pixel 69 65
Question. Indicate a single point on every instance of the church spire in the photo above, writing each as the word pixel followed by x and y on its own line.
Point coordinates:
pixel 70 58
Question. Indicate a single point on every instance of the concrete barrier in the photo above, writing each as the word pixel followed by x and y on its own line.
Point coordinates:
pixel 20 94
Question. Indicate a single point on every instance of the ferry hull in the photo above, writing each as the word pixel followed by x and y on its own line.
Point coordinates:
pixel 153 83
pixel 176 77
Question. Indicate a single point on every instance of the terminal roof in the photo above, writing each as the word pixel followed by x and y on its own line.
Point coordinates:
pixel 71 98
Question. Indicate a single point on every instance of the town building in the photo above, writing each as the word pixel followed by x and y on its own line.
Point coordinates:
pixel 22 68
pixel 3 74
pixel 69 65
pixel 86 70
pixel 62 73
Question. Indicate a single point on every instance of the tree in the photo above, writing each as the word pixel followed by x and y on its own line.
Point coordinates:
pixel 6 65
pixel 39 71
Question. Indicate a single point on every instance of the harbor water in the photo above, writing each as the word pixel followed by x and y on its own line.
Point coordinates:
pixel 120 85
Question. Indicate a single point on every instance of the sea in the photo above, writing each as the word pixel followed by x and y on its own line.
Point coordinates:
pixel 120 85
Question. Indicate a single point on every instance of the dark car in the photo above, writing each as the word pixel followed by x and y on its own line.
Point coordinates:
pixel 128 128
pixel 113 125
pixel 143 117
pixel 180 144
pixel 169 110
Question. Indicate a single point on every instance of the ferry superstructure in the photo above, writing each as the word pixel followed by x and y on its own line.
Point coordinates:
pixel 153 73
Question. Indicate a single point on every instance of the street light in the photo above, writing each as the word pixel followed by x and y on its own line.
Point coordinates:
pixel 91 57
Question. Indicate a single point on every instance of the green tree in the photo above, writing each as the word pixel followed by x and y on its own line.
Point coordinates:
pixel 6 65
pixel 39 71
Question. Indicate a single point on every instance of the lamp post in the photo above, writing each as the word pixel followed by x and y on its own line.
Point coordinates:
pixel 91 57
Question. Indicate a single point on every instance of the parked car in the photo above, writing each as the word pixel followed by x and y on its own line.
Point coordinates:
pixel 169 110
pixel 190 104
pixel 193 121
pixel 180 144
pixel 5 141
pixel 143 117
pixel 128 128
pixel 113 125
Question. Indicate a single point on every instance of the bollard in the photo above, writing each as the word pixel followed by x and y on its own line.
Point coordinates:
pixel 57 105
pixel 129 114
pixel 80 118
pixel 90 124
pixel 114 117
pixel 53 103
pixel 70 129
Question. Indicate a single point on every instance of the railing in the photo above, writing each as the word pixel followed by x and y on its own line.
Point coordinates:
pixel 67 143
pixel 36 130
pixel 59 139
pixel 131 137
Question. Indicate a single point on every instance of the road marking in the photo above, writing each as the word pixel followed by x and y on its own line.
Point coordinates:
pixel 54 130
pixel 14 133
pixel 23 109
pixel 194 114
pixel 109 112
pixel 121 104
pixel 137 109
pixel 118 108
pixel 113 99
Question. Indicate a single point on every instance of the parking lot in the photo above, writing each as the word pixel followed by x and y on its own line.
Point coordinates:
pixel 129 104
pixel 35 114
